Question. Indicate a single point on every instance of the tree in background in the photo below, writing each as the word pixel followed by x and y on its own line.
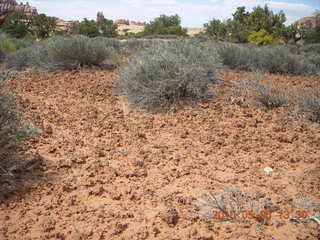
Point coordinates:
pixel 16 24
pixel 165 25
pixel 108 28
pixel 43 26
pixel 243 23
pixel 217 29
pixel 91 28
pixel 87 27
pixel 313 36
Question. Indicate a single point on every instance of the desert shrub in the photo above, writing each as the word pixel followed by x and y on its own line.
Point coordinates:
pixel 269 96
pixel 108 42
pixel 168 73
pixel 267 59
pixel 310 103
pixel 78 51
pixel 14 130
pixel 38 56
pixel 235 57
pixel 24 43
pixel 315 59
pixel 132 46
pixel 9 45
pixel 61 53
pixel 311 48
pixel 313 36
pixel 292 48
pixel 280 60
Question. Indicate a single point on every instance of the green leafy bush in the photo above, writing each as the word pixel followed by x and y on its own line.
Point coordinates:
pixel 313 36
pixel 310 103
pixel 168 73
pixel 165 25
pixel 263 38
pixel 16 24
pixel 9 45
pixel 269 96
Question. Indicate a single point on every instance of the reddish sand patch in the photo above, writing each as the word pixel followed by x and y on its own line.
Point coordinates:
pixel 116 173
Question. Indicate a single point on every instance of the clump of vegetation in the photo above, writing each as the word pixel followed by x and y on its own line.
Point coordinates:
pixel 133 46
pixel 14 130
pixel 269 96
pixel 311 48
pixel 267 59
pixel 165 25
pixel 38 56
pixel 262 38
pixel 262 25
pixel 91 28
pixel 62 53
pixel 310 103
pixel 109 42
pixel 8 44
pixel 78 51
pixel 169 73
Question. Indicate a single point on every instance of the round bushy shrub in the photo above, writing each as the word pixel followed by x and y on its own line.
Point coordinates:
pixel 168 73
pixel 310 103
pixel 78 51
pixel 37 56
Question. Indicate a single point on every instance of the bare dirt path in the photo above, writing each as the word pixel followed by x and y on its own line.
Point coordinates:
pixel 113 173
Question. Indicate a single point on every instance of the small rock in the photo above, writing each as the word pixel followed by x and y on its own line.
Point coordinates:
pixel 170 215
pixel 268 170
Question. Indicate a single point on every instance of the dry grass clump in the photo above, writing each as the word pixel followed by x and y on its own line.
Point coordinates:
pixel 310 103
pixel 14 131
pixel 269 96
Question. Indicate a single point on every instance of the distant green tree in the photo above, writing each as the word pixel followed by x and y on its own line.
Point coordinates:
pixel 165 25
pixel 264 18
pixel 288 33
pixel 16 24
pixel 217 29
pixel 43 26
pixel 108 28
pixel 313 36
pixel 242 23
pixel 87 27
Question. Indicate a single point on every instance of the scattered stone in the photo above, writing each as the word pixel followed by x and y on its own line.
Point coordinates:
pixel 170 215
pixel 268 170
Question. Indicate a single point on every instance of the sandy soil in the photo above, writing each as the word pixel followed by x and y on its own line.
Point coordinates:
pixel 110 172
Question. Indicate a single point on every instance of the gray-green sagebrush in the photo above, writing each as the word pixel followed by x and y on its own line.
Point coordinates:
pixel 62 53
pixel 169 73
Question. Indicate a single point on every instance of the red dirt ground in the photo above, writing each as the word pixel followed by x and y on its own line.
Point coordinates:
pixel 111 172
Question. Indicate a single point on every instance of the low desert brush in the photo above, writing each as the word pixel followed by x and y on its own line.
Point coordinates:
pixel 168 73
